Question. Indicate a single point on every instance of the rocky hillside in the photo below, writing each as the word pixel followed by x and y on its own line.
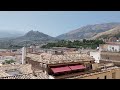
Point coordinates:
pixel 88 31
pixel 115 32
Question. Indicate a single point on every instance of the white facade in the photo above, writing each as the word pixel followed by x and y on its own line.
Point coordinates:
pixel 114 48
pixel 95 55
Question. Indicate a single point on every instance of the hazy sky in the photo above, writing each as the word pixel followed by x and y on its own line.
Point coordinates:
pixel 53 22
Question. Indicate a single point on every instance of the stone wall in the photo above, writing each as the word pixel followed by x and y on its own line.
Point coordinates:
pixel 101 75
pixel 34 64
pixel 110 55
pixel 108 75
pixel 116 63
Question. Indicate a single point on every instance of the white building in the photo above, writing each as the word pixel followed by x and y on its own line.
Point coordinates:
pixel 114 47
pixel 95 55
pixel 111 46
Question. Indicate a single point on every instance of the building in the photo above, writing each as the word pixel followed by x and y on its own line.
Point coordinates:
pixel 72 66
pixel 113 39
pixel 7 56
pixel 110 52
pixel 20 72
pixel 64 65
pixel 110 46
pixel 15 56
pixel 95 55
pixel 69 65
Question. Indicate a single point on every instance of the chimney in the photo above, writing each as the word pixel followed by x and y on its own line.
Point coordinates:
pixel 23 55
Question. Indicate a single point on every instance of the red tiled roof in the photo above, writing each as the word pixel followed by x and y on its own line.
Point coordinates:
pixel 61 69
pixel 67 68
pixel 76 67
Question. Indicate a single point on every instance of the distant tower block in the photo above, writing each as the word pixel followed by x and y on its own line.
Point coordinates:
pixel 23 55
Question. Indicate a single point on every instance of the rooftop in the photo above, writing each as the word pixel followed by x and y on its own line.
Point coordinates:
pixel 7 54
pixel 12 70
pixel 38 75
pixel 86 73
pixel 20 72
pixel 53 58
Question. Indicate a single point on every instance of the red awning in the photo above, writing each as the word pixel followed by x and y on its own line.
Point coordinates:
pixel 61 69
pixel 76 67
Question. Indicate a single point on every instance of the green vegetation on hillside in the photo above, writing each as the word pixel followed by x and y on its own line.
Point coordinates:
pixel 92 44
pixel 117 35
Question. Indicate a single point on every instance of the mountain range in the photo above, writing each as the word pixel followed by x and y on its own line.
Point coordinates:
pixel 114 32
pixel 8 34
pixel 89 31
pixel 86 32
pixel 32 37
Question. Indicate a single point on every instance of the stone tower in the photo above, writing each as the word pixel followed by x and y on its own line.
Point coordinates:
pixel 23 55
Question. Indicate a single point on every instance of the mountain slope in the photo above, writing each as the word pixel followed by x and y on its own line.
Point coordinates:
pixel 110 33
pixel 32 37
pixel 87 31
pixel 9 34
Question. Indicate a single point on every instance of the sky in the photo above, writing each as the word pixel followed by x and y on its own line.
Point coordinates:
pixel 53 23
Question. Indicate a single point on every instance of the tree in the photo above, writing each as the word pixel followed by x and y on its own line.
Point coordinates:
pixel 84 40
pixel 8 61
pixel 75 44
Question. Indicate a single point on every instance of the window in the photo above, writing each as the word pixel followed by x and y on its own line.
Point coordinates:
pixel 105 77
pixel 107 57
pixel 113 48
pixel 113 75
